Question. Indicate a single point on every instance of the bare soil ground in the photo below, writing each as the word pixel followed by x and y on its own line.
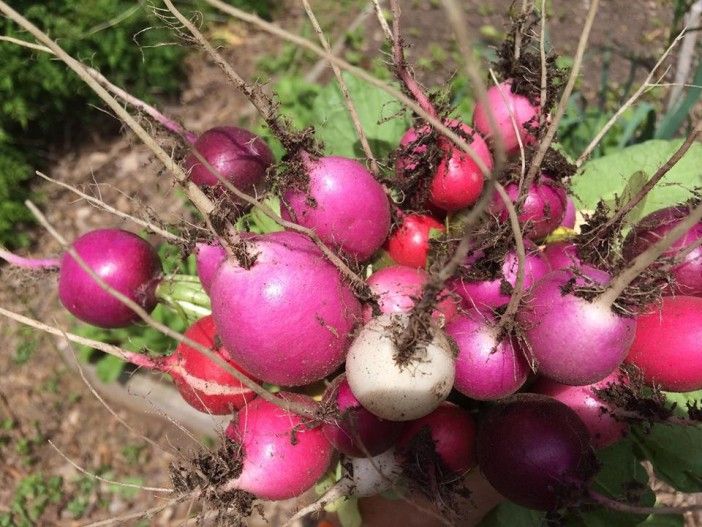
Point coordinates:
pixel 42 396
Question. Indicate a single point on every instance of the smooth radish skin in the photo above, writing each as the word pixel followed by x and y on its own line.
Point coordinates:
pixel 604 429
pixel 541 212
pixel 687 274
pixel 530 447
pixel 208 256
pixel 344 205
pixel 393 391
pixel 203 384
pixel 282 456
pixel 240 157
pixel 452 431
pixel 488 366
pixel 398 288
pixel 125 262
pixel 287 319
pixel 573 341
pixel 667 345
pixel 494 293
pixel 507 108
pixel 569 216
pixel 357 432
pixel 458 180
pixel 409 243
pixel 562 255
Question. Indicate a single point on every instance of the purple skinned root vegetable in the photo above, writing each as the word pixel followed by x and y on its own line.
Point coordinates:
pixel 535 451
pixel 452 432
pixel 287 319
pixel 562 255
pixel 569 216
pixel 540 213
pixel 492 294
pixel 573 340
pixel 507 107
pixel 399 287
pixel 687 274
pixel 488 366
pixel 208 256
pixel 240 156
pixel 357 432
pixel 344 205
pixel 125 262
pixel 282 457
pixel 604 428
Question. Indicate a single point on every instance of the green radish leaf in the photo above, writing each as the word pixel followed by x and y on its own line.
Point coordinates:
pixel 349 514
pixel 636 182
pixel 109 368
pixel 682 399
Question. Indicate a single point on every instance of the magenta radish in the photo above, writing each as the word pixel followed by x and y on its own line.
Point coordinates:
pixel 392 390
pixel 562 255
pixel 687 273
pixel 208 256
pixel 508 109
pixel 452 432
pixel 569 216
pixel 287 319
pixel 541 212
pixel 398 288
pixel 409 243
pixel 535 451
pixel 489 365
pixel 497 291
pixel 240 157
pixel 356 432
pixel 282 455
pixel 573 340
pixel 597 416
pixel 667 344
pixel 343 204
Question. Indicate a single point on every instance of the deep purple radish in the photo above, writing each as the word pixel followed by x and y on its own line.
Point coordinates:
pixel 208 256
pixel 507 109
pixel 573 340
pixel 125 262
pixel 240 156
pixel 202 383
pixel 357 432
pixel 450 430
pixel 287 319
pixel 604 429
pixel 488 366
pixel 569 216
pixel 282 456
pixel 687 274
pixel 398 288
pixel 535 451
pixel 496 292
pixel 562 255
pixel 541 212
pixel 343 204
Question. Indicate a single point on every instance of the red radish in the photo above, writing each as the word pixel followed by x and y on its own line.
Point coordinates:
pixel 687 274
pixel 457 181
pixel 125 262
pixel 541 212
pixel 489 365
pixel 604 429
pixel 535 451
pixel 344 205
pixel 569 216
pixel 393 390
pixel 208 256
pixel 282 455
pixel 287 319
pixel 240 156
pixel 452 431
pixel 203 384
pixel 496 292
pixel 398 288
pixel 357 432
pixel 562 255
pixel 574 340
pixel 667 344
pixel 409 244
pixel 508 109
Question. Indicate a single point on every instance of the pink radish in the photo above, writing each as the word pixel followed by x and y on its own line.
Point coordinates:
pixel 409 244
pixel 208 256
pixel 562 255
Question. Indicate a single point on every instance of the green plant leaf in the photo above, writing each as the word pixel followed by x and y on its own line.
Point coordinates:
pixel 109 368
pixel 349 514
pixel 607 176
